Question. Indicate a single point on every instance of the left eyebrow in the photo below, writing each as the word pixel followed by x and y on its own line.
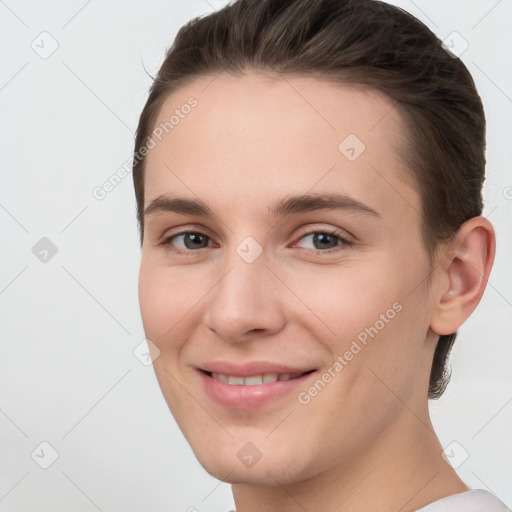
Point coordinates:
pixel 308 203
pixel 280 208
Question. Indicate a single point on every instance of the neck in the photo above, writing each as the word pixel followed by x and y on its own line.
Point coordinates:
pixel 400 471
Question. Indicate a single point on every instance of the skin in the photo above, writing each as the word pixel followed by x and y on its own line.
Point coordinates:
pixel 365 441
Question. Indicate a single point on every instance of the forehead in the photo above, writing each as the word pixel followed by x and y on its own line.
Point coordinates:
pixel 261 136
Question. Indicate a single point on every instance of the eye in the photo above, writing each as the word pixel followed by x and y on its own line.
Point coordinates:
pixel 327 241
pixel 191 240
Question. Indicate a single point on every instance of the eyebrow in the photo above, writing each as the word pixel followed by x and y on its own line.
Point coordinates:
pixel 280 208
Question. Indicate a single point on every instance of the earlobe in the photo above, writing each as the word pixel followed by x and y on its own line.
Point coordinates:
pixel 471 256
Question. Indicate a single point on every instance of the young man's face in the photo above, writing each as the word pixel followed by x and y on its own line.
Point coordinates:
pixel 281 292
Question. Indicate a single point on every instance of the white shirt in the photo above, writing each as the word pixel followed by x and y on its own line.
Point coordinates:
pixel 474 500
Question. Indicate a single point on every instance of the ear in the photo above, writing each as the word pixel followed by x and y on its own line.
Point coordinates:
pixel 466 266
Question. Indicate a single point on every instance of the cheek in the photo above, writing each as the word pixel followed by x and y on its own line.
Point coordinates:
pixel 371 315
pixel 345 301
pixel 165 300
pixel 373 345
pixel 166 296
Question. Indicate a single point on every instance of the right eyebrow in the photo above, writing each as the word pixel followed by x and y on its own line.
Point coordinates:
pixel 281 207
pixel 181 205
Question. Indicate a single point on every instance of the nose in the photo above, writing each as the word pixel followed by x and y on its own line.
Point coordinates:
pixel 247 302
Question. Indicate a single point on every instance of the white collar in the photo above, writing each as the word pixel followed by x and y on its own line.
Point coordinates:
pixel 474 500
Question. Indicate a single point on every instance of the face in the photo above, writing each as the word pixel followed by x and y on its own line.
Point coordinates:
pixel 303 262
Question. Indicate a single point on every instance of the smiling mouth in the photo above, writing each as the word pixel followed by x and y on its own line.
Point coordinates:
pixel 255 380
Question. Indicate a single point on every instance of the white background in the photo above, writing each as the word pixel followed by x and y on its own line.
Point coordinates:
pixel 68 327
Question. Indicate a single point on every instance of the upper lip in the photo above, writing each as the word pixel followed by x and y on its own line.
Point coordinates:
pixel 250 368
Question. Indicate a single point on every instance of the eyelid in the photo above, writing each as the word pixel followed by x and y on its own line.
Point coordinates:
pixel 320 228
pixel 164 240
pixel 332 231
pixel 191 228
pixel 312 228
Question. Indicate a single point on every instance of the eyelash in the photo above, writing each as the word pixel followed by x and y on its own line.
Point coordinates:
pixel 166 242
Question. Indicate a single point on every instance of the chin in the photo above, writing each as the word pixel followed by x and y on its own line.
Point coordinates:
pixel 239 462
pixel 262 474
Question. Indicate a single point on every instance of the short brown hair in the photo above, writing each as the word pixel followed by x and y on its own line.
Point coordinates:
pixel 360 42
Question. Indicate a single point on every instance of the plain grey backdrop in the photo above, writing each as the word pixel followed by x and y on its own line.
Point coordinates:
pixel 83 424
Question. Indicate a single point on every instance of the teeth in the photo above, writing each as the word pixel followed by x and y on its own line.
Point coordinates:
pixel 255 380
pixel 235 381
pixel 221 377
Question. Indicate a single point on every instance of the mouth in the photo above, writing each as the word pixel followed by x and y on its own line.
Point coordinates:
pixel 252 389
pixel 255 380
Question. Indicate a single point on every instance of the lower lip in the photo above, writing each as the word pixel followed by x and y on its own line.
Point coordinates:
pixel 248 397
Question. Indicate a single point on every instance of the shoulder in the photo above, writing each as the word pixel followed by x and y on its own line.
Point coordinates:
pixel 474 500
